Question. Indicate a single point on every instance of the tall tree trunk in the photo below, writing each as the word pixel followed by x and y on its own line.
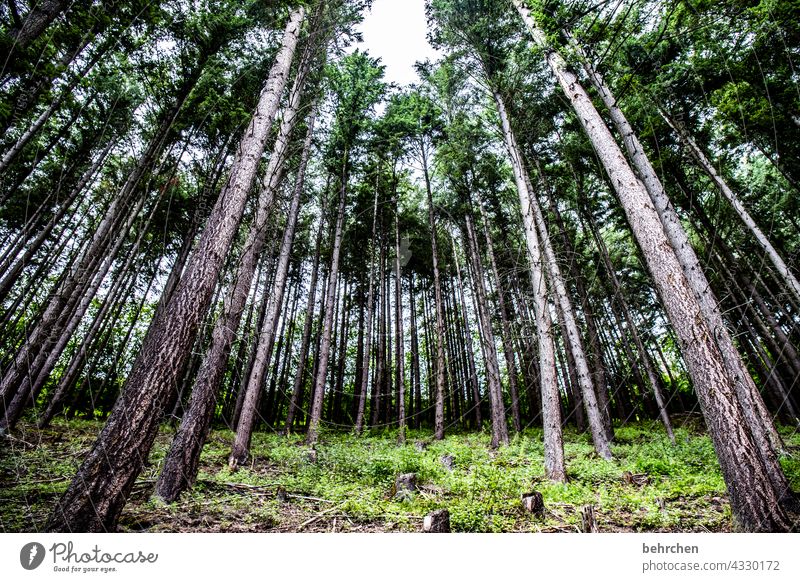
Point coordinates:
pixel 325 347
pixel 183 459
pixel 95 498
pixel 508 350
pixel 752 405
pixel 438 430
pixel 555 469
pixel 498 412
pixel 705 164
pixel 400 340
pixel 644 358
pixel 757 485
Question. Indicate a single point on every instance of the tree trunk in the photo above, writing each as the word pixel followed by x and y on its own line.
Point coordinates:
pixel 95 498
pixel 551 414
pixel 705 164
pixel 756 492
pixel 325 347
pixel 489 349
pixel 752 405
pixel 400 340
pixel 508 350
pixel 437 287
pixel 36 21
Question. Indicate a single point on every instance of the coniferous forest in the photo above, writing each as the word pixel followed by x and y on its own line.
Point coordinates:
pixel 249 284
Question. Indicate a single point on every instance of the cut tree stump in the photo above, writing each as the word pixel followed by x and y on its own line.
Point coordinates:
pixel 448 462
pixel 404 486
pixel 533 503
pixel 282 495
pixel 635 479
pixel 437 522
pixel 588 522
pixel 420 445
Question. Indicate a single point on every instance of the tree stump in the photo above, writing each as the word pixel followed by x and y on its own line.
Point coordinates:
pixel 588 523
pixel 404 486
pixel 282 495
pixel 437 522
pixel 635 479
pixel 448 461
pixel 311 455
pixel 533 503
pixel 420 445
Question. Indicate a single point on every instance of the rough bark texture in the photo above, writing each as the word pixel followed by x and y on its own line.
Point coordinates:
pixel 325 347
pixel 183 460
pixel 488 345
pixel 752 405
pixel 95 498
pixel 756 502
pixel 551 411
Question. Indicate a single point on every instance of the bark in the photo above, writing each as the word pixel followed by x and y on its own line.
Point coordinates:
pixel 437 287
pixel 37 20
pixel 551 414
pixel 95 498
pixel 183 460
pixel 489 349
pixel 508 350
pixel 705 164
pixel 325 347
pixel 752 405
pixel 756 484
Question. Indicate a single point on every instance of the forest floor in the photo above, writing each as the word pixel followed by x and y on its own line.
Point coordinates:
pixel 650 486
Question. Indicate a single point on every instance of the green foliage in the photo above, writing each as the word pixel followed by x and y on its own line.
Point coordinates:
pixel 353 477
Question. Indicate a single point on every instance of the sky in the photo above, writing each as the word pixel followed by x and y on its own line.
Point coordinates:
pixel 395 31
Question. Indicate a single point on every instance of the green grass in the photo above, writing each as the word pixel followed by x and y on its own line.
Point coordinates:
pixel 348 488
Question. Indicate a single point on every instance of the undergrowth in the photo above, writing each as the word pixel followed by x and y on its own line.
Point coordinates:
pixel 651 485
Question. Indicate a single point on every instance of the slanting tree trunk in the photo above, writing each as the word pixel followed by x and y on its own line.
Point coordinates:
pixel 572 334
pixel 183 459
pixel 555 469
pixel 327 325
pixel 752 405
pixel 95 498
pixel 438 429
pixel 300 374
pixel 115 222
pixel 705 164
pixel 644 358
pixel 472 374
pixel 758 489
pixel 36 21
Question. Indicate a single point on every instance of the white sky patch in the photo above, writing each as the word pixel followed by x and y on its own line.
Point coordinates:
pixel 395 31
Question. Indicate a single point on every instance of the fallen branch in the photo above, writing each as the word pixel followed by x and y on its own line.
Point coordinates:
pixel 319 516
